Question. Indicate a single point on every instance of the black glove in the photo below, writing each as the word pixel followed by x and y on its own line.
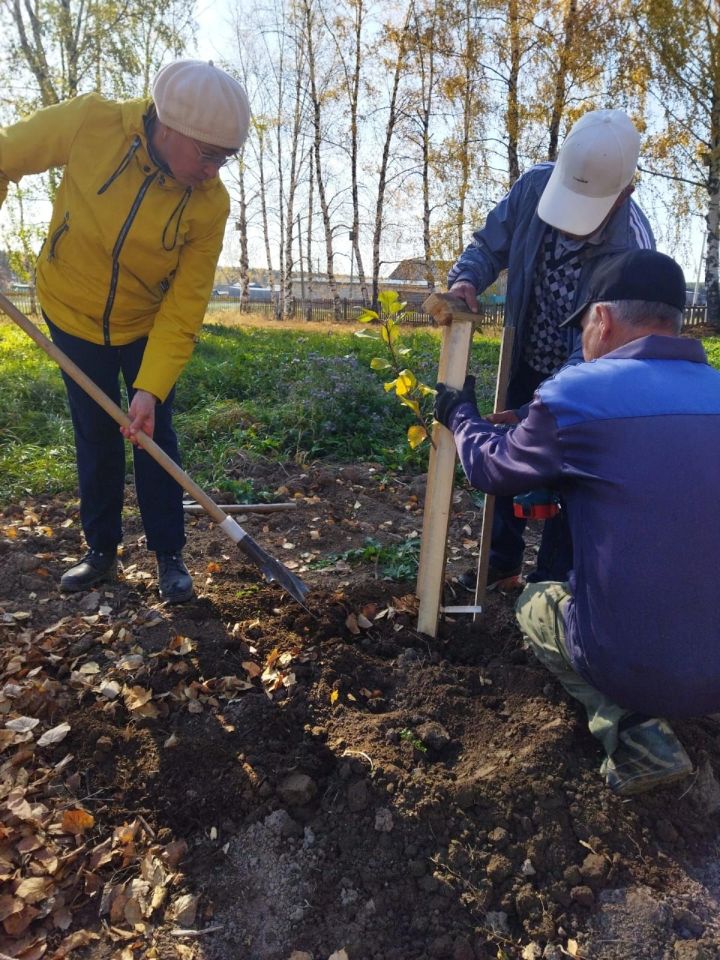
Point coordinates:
pixel 448 398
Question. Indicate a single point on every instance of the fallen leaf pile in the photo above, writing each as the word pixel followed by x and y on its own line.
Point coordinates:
pixel 55 859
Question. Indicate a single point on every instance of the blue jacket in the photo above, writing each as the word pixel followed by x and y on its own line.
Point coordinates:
pixel 511 240
pixel 632 441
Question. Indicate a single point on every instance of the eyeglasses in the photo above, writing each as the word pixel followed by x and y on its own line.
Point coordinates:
pixel 217 160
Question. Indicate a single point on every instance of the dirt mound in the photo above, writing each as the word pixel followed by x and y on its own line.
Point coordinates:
pixel 243 777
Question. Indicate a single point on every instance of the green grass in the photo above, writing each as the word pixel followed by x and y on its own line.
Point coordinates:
pixel 282 394
pixel 712 348
pixel 396 561
pixel 279 393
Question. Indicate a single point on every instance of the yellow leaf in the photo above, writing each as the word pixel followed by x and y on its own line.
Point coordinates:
pixel 77 821
pixel 389 385
pixel 334 696
pixel 416 434
pixel 413 404
pixel 367 316
pixel 426 391
pixel 409 380
pixel 377 363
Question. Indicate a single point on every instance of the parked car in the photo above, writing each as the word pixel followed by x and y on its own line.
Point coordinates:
pixel 233 291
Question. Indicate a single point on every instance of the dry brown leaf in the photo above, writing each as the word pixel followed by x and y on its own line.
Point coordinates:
pixel 33 947
pixel 17 923
pixel 127 832
pixel 62 918
pixel 33 889
pixel 28 844
pixel 363 622
pixel 137 700
pixel 272 657
pixel 252 669
pixel 183 910
pixel 213 567
pixel 79 938
pixel 133 911
pixel 101 854
pixel 180 646
pixel 77 821
pixel 352 624
pixel 9 905
pixel 117 906
pixel 109 689
pixel 54 735
pixel 174 852
pixel 22 724
pixel 7 739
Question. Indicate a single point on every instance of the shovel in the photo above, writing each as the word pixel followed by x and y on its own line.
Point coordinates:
pixel 272 569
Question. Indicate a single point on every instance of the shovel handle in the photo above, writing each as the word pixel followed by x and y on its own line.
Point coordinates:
pixel 112 409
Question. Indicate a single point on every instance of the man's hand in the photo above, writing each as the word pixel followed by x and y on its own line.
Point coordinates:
pixel 508 417
pixel 142 416
pixel 448 398
pixel 464 290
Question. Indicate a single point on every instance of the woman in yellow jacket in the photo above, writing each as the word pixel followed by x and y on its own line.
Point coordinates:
pixel 124 278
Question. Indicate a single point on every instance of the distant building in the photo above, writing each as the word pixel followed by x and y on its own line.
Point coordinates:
pixel 413 272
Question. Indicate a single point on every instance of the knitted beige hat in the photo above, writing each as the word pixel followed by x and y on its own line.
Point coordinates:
pixel 199 100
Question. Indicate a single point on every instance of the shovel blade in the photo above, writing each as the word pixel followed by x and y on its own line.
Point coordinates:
pixel 274 570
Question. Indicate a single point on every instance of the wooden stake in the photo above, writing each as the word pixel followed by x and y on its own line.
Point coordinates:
pixel 454 356
pixel 506 345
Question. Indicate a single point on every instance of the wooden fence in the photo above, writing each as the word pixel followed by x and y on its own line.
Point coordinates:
pixel 491 314
pixel 347 311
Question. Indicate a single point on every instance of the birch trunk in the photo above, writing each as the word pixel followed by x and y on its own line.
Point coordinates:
pixel 389 132
pixel 512 112
pixel 317 142
pixel 560 91
pixel 242 228
pixel 712 263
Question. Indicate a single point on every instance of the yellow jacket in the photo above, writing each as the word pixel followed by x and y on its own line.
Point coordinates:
pixel 130 252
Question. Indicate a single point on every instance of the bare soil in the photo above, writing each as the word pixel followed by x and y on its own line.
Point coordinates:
pixel 246 779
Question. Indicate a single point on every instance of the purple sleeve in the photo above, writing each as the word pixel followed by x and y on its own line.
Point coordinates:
pixel 506 462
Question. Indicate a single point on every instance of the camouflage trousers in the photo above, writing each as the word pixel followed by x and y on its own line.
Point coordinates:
pixel 540 610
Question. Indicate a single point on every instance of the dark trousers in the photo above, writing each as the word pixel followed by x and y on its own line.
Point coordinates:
pixel 100 450
pixel 554 560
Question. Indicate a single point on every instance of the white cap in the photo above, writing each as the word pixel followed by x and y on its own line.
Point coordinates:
pixel 199 100
pixel 595 164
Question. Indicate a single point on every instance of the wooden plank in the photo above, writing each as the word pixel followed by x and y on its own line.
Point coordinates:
pixel 506 345
pixel 454 356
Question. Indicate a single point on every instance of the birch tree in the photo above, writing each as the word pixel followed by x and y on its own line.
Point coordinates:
pixel 311 39
pixel 681 39
pixel 346 28
pixel 397 40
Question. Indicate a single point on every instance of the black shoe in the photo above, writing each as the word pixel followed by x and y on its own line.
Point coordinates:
pixel 95 567
pixel 495 578
pixel 174 582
